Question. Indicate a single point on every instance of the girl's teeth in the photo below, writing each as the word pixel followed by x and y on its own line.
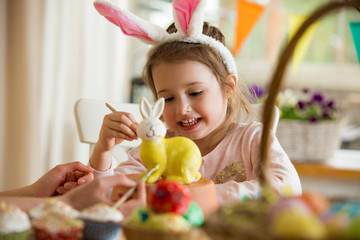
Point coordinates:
pixel 189 122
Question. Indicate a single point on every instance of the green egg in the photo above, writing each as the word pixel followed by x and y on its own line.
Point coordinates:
pixel 353 230
pixel 194 215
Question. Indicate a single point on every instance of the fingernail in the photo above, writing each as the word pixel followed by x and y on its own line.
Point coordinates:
pixel 82 181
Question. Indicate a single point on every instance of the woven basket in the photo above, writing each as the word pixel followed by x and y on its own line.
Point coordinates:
pixel 312 142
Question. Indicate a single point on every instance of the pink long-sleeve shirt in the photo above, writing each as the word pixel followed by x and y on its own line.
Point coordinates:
pixel 232 165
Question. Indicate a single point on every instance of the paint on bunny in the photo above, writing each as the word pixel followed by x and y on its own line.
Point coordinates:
pixel 179 157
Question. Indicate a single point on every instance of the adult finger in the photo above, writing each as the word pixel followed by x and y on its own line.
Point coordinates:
pixel 78 166
pixel 141 192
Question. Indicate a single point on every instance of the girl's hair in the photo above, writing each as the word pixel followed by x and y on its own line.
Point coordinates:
pixel 178 51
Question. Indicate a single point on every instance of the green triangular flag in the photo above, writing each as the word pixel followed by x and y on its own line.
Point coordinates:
pixel 355 30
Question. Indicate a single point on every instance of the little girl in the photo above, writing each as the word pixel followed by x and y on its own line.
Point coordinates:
pixel 196 75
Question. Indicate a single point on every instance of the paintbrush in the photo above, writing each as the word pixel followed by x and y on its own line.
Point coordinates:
pixel 110 107
pixel 132 190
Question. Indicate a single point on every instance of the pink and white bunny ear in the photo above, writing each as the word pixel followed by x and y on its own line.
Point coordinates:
pixel 189 16
pixel 130 24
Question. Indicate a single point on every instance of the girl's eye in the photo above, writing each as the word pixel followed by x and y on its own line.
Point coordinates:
pixel 194 94
pixel 169 99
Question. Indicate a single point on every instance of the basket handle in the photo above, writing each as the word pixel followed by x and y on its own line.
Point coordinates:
pixel 277 79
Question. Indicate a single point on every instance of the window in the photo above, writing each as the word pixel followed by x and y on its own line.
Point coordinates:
pixel 330 61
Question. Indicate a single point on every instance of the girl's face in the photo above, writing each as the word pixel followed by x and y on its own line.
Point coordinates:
pixel 195 105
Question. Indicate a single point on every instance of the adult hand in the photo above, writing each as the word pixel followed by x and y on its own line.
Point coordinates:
pixel 96 191
pixel 61 179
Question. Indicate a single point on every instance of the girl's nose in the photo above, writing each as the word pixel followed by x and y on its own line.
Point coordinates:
pixel 183 107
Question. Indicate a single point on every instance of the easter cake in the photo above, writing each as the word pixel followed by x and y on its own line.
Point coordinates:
pixel 102 222
pixel 53 206
pixel 56 226
pixel 14 223
pixel 54 219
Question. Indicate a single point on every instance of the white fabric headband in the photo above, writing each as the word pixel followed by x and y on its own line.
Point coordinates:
pixel 188 19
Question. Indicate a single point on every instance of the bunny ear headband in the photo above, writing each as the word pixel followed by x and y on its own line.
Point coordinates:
pixel 188 19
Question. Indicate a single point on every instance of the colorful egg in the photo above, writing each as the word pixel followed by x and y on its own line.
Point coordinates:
pixel 292 219
pixel 353 230
pixel 140 216
pixel 168 222
pixel 317 202
pixel 351 208
pixel 194 215
pixel 169 196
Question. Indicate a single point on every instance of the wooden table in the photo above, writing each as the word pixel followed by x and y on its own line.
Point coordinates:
pixel 336 177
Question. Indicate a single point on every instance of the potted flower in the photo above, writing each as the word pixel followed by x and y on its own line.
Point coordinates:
pixel 310 124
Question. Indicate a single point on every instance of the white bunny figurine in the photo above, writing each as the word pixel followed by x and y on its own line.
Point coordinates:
pixel 179 157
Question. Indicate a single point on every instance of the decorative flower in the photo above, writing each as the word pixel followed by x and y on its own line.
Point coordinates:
pixel 305 105
pixel 257 93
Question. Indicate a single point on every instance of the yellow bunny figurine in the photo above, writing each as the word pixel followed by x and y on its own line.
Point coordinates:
pixel 179 157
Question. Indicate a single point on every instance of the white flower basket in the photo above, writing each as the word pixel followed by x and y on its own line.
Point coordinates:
pixel 305 141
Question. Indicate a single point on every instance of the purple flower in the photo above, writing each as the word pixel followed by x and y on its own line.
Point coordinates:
pixel 326 114
pixel 301 104
pixel 257 91
pixel 312 106
pixel 306 90
pixel 317 97
pixel 330 104
pixel 313 119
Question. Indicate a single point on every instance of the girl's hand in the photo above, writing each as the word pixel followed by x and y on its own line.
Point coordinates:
pixel 117 127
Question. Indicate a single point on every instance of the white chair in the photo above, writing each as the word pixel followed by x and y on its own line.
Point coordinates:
pixel 89 115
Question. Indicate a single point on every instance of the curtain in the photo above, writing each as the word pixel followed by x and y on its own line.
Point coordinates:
pixel 52 53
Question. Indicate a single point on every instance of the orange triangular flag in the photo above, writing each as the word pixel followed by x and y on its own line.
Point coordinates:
pixel 247 14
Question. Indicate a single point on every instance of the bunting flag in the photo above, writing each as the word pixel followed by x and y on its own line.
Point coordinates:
pixel 247 14
pixel 301 48
pixel 355 30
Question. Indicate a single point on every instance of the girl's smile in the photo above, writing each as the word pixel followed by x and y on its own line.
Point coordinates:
pixel 190 123
pixel 195 106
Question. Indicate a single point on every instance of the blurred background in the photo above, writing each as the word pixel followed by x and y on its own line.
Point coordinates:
pixel 54 52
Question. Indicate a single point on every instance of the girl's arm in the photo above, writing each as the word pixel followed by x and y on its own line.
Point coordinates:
pixel 284 178
pixel 132 165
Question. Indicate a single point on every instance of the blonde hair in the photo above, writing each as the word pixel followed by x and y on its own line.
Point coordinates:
pixel 177 51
